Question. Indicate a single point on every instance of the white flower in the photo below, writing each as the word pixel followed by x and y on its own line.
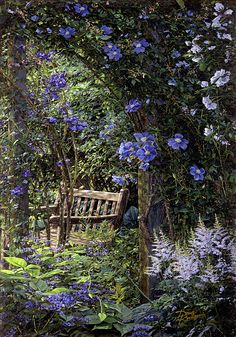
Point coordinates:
pixel 219 7
pixel 229 12
pixel 208 131
pixel 197 59
pixel 204 84
pixel 224 36
pixel 211 47
pixel 216 22
pixel 209 104
pixel 220 78
pixel 196 49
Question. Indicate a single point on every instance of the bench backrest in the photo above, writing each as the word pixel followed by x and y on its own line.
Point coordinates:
pixel 89 203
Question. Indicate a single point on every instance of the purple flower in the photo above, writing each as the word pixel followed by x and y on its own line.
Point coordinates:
pixel 178 142
pixel 133 105
pixel 27 174
pixel 106 30
pixel 72 119
pixel 147 153
pixel 197 173
pixel 175 54
pixel 78 126
pixel 119 180
pixel 18 190
pixel 49 30
pixel 81 9
pixel 52 120
pixel 67 32
pixel 140 45
pixel 113 52
pixel 57 80
pixel 34 18
pixel 44 56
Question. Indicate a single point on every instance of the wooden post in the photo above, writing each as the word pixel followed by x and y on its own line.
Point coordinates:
pixel 151 217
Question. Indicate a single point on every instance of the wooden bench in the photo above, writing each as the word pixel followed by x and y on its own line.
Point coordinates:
pixel 86 207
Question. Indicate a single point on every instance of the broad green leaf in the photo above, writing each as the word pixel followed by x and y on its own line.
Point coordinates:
pixel 124 328
pixel 33 270
pixel 58 290
pixel 16 262
pixel 51 273
pixel 102 316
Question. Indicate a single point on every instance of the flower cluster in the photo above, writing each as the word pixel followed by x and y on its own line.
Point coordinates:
pixel 123 181
pixel 141 331
pixel 207 244
pixel 113 52
pixel 140 46
pixel 67 32
pixel 133 105
pixel 144 150
pixel 75 124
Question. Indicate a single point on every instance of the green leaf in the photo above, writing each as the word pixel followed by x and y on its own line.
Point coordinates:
pixel 16 261
pixel 181 3
pixel 33 270
pixel 51 273
pixel 124 328
pixel 102 316
pixel 202 66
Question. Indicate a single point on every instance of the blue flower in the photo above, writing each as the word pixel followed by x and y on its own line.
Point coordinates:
pixel 127 150
pixel 183 64
pixel 106 30
pixel 49 30
pixel 113 52
pixel 52 120
pixel 27 174
pixel 175 54
pixel 67 32
pixel 133 105
pixel 72 119
pixel 119 180
pixel 144 137
pixel 178 142
pixel 44 56
pixel 39 31
pixel 147 153
pixel 57 80
pixel 197 173
pixel 78 126
pixel 172 82
pixel 144 166
pixel 140 45
pixel 81 9
pixel 18 190
pixel 34 18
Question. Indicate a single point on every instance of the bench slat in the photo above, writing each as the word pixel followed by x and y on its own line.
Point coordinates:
pixel 97 195
pixel 105 209
pixel 98 207
pixel 77 208
pixel 85 206
pixel 91 208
